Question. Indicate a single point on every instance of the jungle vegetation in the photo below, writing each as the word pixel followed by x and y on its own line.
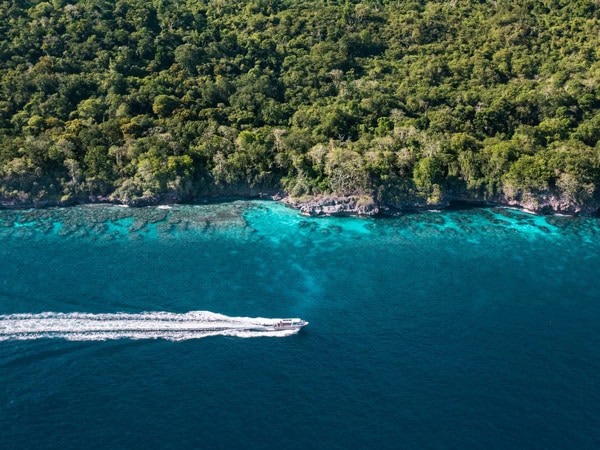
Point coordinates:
pixel 388 99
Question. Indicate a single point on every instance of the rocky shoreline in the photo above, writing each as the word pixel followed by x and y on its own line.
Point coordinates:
pixel 332 205
pixel 545 204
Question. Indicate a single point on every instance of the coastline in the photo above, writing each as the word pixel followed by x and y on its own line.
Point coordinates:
pixel 330 205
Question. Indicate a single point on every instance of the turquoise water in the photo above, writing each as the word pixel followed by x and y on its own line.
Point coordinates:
pixel 464 329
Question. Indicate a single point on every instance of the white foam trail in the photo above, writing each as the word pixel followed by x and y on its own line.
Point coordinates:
pixel 146 325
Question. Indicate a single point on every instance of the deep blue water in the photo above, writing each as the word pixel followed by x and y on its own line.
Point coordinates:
pixel 467 329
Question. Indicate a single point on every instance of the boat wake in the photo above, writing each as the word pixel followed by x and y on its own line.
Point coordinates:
pixel 146 325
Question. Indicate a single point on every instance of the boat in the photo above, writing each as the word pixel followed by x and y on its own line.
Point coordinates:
pixel 290 324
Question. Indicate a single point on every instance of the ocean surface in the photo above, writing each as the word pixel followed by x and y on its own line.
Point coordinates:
pixel 461 329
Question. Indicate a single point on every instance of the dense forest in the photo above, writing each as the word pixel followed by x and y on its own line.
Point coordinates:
pixel 394 102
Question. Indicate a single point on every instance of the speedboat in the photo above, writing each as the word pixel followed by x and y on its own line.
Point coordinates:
pixel 290 324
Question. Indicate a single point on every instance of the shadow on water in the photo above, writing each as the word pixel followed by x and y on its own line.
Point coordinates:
pixel 453 206
pixel 459 205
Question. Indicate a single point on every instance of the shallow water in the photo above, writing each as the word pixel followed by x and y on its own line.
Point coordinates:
pixel 457 329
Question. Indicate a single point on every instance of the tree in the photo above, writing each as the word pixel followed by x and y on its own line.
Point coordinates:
pixel 164 105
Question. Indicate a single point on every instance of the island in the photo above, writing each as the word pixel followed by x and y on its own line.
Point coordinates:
pixel 336 106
